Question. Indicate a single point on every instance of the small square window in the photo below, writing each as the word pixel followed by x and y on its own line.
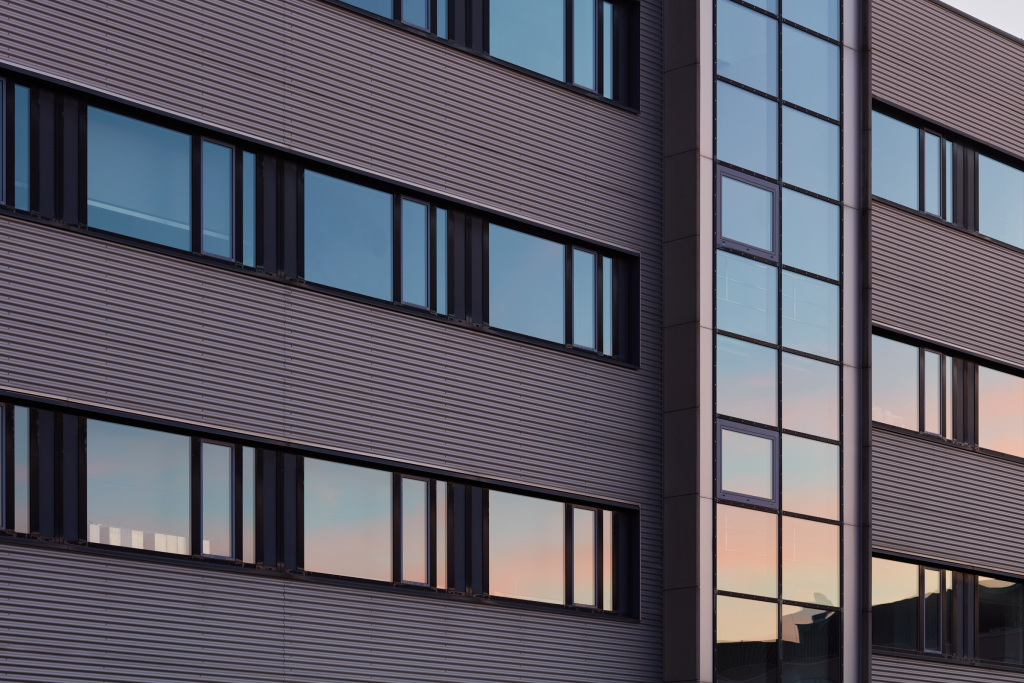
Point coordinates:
pixel 748 214
pixel 748 464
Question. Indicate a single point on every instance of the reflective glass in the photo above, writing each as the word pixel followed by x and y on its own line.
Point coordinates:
pixel 810 396
pixel 526 539
pixel 584 557
pixel 442 19
pixel 1000 411
pixel 747 382
pixel 810 153
pixel 417 13
pixel 530 33
pixel 607 562
pixel 932 396
pixel 249 209
pixel 748 464
pixel 747 640
pixel 932 174
pixel 810 234
pixel 348 235
pixel 415 254
pixel 769 5
pixel 821 16
pixel 584 43
pixel 584 299
pixel 21 473
pixel 748 130
pixel 812 642
pixel 441 286
pixel 810 72
pixel 526 284
pixel 22 172
pixel 948 433
pixel 894 383
pixel 747 297
pixel 810 562
pixel 949 181
pixel 442 534
pixel 347 519
pixel 895 601
pixel 1000 201
pixel 218 199
pixel 608 50
pixel 894 160
pixel 139 178
pixel 1000 621
pixel 218 483
pixel 932 610
pixel 608 319
pixel 810 477
pixel 248 504
pixel 810 315
pixel 138 487
pixel 747 559
pixel 414 531
pixel 748 47
pixel 748 214
pixel 381 7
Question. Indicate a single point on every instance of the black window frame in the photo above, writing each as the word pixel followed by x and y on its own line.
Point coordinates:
pixel 235 504
pixel 775 436
pixel 199 142
pixel 775 188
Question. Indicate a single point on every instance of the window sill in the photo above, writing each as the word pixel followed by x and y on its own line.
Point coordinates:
pixel 943 659
pixel 942 441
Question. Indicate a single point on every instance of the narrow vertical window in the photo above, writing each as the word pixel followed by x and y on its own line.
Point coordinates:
pixel 895 601
pixel 529 33
pixel 1000 201
pixel 249 505
pixel 746 640
pixel 607 317
pixel 415 524
pixel 441 272
pixel 526 284
pixel 249 209
pixel 608 50
pixel 948 181
pixel 1000 621
pixel 526 548
pixel 584 310
pixel 932 395
pixel 894 383
pixel 21 469
pixel 415 254
pixel 1000 411
pixel 932 174
pixel 948 382
pixel 217 500
pixel 607 560
pixel 441 539
pixel 218 199
pixel 22 96
pixel 584 48
pixel 894 160
pixel 932 610
pixel 584 555
pixel 442 19
pixel 417 13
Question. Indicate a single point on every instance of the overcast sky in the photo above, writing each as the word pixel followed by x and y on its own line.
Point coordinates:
pixel 1007 15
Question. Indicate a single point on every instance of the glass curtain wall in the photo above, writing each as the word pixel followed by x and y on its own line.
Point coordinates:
pixel 778 350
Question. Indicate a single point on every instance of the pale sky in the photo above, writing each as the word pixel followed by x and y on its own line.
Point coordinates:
pixel 1007 15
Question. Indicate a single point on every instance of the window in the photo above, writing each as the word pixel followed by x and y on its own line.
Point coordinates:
pixel 584 301
pixel 810 315
pixel 747 381
pixel 810 396
pixel 415 253
pixel 1000 411
pixel 810 475
pixel 747 640
pixel 248 505
pixel 218 199
pixel 747 130
pixel 894 160
pixel 22 159
pixel 1000 621
pixel 584 557
pixel 748 47
pixel 249 209
pixel 218 477
pixel 415 530
pixel 894 383
pixel 1000 201
pixel 17 418
pixel 441 276
pixel 747 552
pixel 748 464
pixel 821 16
pixel 530 33
pixel 748 213
pixel 810 561
pixel 810 68
pixel 811 644
pixel 895 603
pixel 810 153
pixel 526 286
pixel 526 538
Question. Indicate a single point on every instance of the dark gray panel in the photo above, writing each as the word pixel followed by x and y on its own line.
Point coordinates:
pixel 896 670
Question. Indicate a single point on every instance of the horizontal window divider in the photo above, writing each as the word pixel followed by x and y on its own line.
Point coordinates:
pixel 821 359
pixel 811 112
pixel 811 605
pixel 741 86
pixel 750 423
pixel 759 10
pixel 813 276
pixel 812 32
pixel 830 200
pixel 727 247
pixel 744 596
pixel 812 437
pixel 753 174
pixel 767 345
pixel 810 518
pixel 930 344
pixel 773 509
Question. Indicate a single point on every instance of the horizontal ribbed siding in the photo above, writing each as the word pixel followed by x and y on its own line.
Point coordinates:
pixel 896 670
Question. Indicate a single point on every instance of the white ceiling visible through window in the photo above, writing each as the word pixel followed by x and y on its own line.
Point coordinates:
pixel 1007 15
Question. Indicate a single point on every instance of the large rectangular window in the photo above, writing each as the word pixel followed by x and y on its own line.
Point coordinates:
pixel 1000 621
pixel 21 471
pixel 894 160
pixel 895 603
pixel 1000 411
pixel 526 538
pixel 1000 201
pixel 415 253
pixel 747 640
pixel 894 383
pixel 526 286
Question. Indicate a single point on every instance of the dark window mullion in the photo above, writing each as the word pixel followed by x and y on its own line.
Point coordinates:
pixel 569 251
pixel 599 304
pixel 196 496
pixel 237 496
pixel 396 527
pixel 569 76
pixel 197 194
pixel 396 261
pixel 570 597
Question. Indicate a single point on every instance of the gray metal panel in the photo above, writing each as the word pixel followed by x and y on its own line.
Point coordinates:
pixel 942 65
pixel 887 669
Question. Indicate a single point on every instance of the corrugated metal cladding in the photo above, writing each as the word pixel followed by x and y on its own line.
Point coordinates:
pixel 900 670
pixel 939 64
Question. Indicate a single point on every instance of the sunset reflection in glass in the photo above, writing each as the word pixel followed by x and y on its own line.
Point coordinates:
pixel 747 551
pixel 526 539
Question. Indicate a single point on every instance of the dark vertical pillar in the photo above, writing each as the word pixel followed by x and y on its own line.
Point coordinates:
pixel 457 266
pixel 289 510
pixel 196 489
pixel 70 166
pixel 476 540
pixel 266 508
pixel 476 270
pixel 69 486
pixel 288 242
pixel 266 215
pixel 44 176
pixel 459 538
pixel 44 468
pixel 477 39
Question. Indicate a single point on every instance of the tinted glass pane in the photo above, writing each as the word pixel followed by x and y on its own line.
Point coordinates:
pixel 584 556
pixel 932 610
pixel 347 517
pixel 139 179
pixel 1000 411
pixel 348 231
pixel 248 504
pixel 442 18
pixel 381 7
pixel 810 153
pixel 810 72
pixel 810 315
pixel 527 284
pixel 441 286
pixel 584 299
pixel 770 5
pixel 748 47
pixel 948 181
pixel 218 198
pixel 608 50
pixel 748 214
pixel 417 13
pixel 810 396
pixel 530 33
pixel 608 319
pixel 415 254
pixel 1000 201
pixel 894 383
pixel 811 645
pixel 414 530
pixel 21 519
pixel 810 234
pixel 1000 621
pixel 948 432
pixel 217 498
pixel 747 381
pixel 747 297
pixel 932 397
pixel 810 477
pixel 895 599
pixel 748 132
pixel 748 464
pixel 932 174
pixel 442 534
pixel 527 548
pixel 747 638
pixel 821 16
pixel 22 173
pixel 810 562
pixel 249 209
pixel 584 43
pixel 894 160
pixel 138 488
pixel 748 557
pixel 607 565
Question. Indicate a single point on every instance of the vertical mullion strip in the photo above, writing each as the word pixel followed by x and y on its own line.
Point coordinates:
pixel 569 251
pixel 33 471
pixel 921 178
pixel 459 536
pixel 599 30
pixel 599 559
pixel 8 464
pixel 432 250
pixel 258 549
pixel 921 397
pixel 396 248
pixel 485 541
pixel 599 301
pixel 83 163
pixel 196 228
pixel 570 595
pixel 432 503
pixel 300 512
pixel 83 479
pixel 568 76
pixel 33 150
pixel 237 494
pixel 396 527
pixel 238 209
pixel 196 491
pixel 300 222
pixel 485 272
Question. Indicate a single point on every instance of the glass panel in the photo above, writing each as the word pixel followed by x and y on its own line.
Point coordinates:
pixel 748 464
pixel 348 235
pixel 748 47
pixel 139 178
pixel 1000 411
pixel 932 174
pixel 139 488
pixel 747 297
pixel 1000 621
pixel 894 383
pixel 895 593
pixel 248 505
pixel 810 562
pixel 415 254
pixel 810 234
pixel 949 181
pixel 527 284
pixel 747 381
pixel 748 214
pixel 415 528
pixel 748 130
pixel 347 514
pixel 584 43
pixel 810 72
pixel 584 556
pixel 608 318
pixel 810 153
pixel 607 562
pixel 821 16
pixel 949 622
pixel 218 198
pixel 21 474
pixel 810 396
pixel 217 490
pixel 810 477
pixel 810 315
pixel 584 299
pixel 1000 201
pixel 932 610
pixel 441 511
pixel 417 13
pixel 22 172
pixel 442 18
pixel 932 397
pixel 530 33
pixel 894 160
pixel 747 551
pixel 608 50
pixel 811 645
pixel 441 286
pixel 381 7
pixel 769 5
pixel 527 548
pixel 747 640
pixel 948 432
pixel 249 209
